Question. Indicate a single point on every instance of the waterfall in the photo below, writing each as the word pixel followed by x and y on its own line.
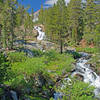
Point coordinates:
pixel 41 35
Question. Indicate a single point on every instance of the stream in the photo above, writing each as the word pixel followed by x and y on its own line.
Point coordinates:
pixel 83 69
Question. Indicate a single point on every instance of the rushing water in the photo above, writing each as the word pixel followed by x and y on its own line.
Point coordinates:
pixel 89 76
pixel 41 35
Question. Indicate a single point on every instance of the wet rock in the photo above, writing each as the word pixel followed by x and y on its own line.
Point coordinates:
pixel 14 95
pixel 28 52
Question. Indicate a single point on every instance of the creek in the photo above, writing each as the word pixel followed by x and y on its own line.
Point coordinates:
pixel 83 69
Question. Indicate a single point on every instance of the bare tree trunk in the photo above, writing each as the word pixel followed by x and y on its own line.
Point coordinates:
pixel 61 46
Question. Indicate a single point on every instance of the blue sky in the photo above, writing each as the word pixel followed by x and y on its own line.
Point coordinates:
pixel 36 4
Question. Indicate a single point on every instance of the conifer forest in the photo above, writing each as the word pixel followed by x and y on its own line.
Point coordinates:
pixel 52 53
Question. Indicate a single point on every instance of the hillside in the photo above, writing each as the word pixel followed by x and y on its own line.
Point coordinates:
pixel 50 54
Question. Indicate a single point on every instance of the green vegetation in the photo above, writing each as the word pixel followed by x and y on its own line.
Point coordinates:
pixel 4 66
pixel 95 62
pixel 77 90
pixel 72 23
pixel 87 49
pixel 39 77
pixel 38 74
pixel 16 57
pixel 15 22
pixel 37 53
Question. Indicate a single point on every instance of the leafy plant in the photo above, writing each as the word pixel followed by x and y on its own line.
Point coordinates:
pixel 74 54
pixel 77 90
pixel 16 57
pixel 37 53
pixel 4 66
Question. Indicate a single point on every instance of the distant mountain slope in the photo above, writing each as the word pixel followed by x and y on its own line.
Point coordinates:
pixel 36 15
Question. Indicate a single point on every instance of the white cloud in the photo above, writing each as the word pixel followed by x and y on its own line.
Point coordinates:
pixel 52 2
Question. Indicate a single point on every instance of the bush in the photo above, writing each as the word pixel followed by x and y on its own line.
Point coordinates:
pixel 52 55
pixel 16 57
pixel 74 54
pixel 77 90
pixel 37 53
pixel 62 64
pixel 95 62
pixel 30 66
pixel 4 66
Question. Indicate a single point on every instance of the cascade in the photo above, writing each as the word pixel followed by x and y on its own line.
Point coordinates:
pixel 89 76
pixel 41 35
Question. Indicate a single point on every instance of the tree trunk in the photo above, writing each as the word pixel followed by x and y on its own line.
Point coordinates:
pixel 61 46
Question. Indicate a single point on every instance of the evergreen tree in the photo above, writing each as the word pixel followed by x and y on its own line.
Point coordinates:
pixel 56 23
pixel 8 23
pixel 41 15
pixel 61 23
pixel 90 16
pixel 97 24
pixel 12 19
pixel 92 22
pixel 75 20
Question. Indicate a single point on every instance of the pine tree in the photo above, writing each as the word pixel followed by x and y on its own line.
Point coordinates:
pixel 75 20
pixel 8 23
pixel 90 16
pixel 41 15
pixel 12 19
pixel 61 23
pixel 4 23
pixel 97 23
pixel 56 23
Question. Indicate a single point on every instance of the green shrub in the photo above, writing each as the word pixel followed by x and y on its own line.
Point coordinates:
pixel 52 55
pixel 16 57
pixel 77 90
pixel 4 66
pixel 95 61
pixel 37 53
pixel 74 54
pixel 30 66
pixel 60 65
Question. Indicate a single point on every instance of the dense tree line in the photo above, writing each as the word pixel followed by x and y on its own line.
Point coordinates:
pixel 74 22
pixel 13 16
